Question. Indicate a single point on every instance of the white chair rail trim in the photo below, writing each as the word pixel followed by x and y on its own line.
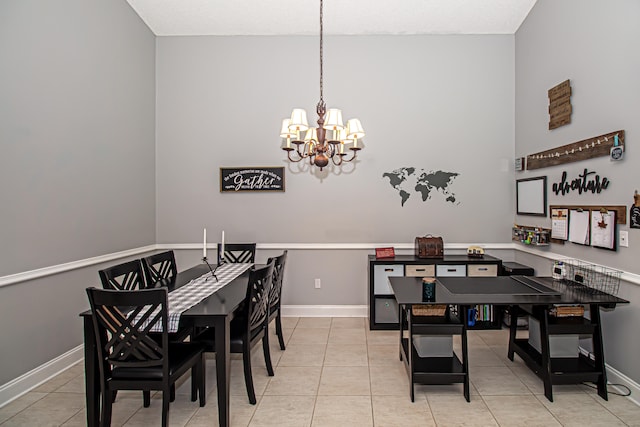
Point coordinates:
pixel 74 265
pixel 60 268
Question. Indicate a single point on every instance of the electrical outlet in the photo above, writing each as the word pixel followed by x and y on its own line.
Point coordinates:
pixel 318 283
pixel 624 239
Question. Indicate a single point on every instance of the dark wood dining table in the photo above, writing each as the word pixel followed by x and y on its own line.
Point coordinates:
pixel 215 311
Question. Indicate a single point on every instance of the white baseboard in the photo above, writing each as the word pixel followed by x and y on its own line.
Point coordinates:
pixel 615 377
pixel 325 311
pixel 32 379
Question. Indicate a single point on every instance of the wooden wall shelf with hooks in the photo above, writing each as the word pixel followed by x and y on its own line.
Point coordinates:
pixel 589 148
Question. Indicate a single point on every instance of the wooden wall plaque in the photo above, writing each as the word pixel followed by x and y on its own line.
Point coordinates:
pixel 560 105
pixel 589 148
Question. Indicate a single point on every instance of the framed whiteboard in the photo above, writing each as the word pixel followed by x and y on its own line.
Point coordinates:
pixel 531 196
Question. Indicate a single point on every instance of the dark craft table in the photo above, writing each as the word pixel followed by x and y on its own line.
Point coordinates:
pixel 216 311
pixel 527 295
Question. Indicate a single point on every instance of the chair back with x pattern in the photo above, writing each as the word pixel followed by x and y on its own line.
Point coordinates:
pixel 257 308
pixel 159 266
pixel 276 287
pixel 237 253
pixel 124 277
pixel 130 357
pixel 122 321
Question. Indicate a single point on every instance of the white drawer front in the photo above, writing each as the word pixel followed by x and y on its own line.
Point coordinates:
pixel 420 270
pixel 381 274
pixel 482 270
pixel 451 270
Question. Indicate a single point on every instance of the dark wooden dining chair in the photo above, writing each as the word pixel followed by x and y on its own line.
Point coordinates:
pixel 123 277
pixel 130 359
pixel 158 267
pixel 236 253
pixel 249 326
pixel 129 276
pixel 275 295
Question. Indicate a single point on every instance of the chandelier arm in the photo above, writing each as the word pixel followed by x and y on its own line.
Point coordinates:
pixel 352 157
pixel 291 159
pixel 331 151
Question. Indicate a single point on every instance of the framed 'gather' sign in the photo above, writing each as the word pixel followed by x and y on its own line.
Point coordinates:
pixel 234 180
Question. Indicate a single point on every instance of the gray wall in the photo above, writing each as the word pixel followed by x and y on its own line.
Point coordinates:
pixel 77 117
pixel 596 45
pixel 432 102
pixel 77 169
pixel 566 40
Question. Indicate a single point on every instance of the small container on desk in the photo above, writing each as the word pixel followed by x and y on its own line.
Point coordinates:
pixel 428 289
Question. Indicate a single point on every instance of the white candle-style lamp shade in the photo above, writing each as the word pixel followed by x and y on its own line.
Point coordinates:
pixel 285 131
pixel 354 129
pixel 311 135
pixel 333 120
pixel 298 120
pixel 342 136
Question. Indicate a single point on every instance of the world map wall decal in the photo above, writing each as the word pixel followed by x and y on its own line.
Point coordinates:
pixel 426 183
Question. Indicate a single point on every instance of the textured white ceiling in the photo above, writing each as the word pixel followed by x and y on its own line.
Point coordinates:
pixel 301 17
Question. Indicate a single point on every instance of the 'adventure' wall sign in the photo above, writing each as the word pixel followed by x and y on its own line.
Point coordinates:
pixel 585 182
pixel 251 179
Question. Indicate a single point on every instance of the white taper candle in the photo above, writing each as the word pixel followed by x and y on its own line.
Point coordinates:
pixel 204 245
pixel 222 248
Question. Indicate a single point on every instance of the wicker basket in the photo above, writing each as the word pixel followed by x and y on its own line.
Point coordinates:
pixel 429 309
pixel 567 311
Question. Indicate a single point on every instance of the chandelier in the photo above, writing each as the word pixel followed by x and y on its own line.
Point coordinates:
pixel 328 140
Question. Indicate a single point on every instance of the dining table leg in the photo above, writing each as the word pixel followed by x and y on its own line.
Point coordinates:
pixel 223 369
pixel 92 380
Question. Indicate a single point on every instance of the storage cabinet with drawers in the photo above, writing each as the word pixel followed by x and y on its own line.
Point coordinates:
pixel 383 309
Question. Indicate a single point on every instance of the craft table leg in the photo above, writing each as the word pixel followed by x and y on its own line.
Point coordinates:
pixel 401 313
pixel 513 328
pixel 410 354
pixel 546 351
pixel 91 375
pixel 223 369
pixel 465 354
pixel 598 350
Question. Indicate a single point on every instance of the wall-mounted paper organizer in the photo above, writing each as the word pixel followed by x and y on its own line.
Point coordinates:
pixel 534 236
pixel 621 210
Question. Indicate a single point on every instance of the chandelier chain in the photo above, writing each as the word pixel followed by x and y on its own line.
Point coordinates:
pixel 321 55
pixel 326 142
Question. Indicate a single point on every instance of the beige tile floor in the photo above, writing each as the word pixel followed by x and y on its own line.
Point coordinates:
pixel 335 372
